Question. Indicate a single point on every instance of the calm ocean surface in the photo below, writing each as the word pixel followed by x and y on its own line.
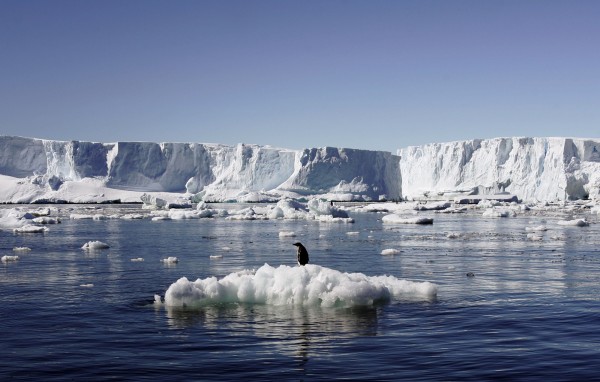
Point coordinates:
pixel 530 312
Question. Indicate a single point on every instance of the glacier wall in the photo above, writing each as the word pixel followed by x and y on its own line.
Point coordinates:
pixel 543 169
pixel 215 172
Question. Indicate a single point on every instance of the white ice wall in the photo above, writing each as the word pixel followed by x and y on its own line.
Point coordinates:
pixel 531 168
pixel 220 172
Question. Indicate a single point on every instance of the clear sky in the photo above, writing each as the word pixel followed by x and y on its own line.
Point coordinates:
pixel 364 74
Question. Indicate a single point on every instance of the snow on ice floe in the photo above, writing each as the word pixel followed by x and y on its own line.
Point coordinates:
pixel 95 244
pixel 309 285
pixel 21 249
pixel 574 223
pixel 46 220
pixel 498 213
pixel 539 228
pixel 30 228
pixel 397 219
pixel 8 258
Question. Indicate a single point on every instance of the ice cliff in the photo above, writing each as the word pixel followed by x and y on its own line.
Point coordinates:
pixel 543 169
pixel 35 170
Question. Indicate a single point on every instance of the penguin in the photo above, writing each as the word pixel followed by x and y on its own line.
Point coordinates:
pixel 302 254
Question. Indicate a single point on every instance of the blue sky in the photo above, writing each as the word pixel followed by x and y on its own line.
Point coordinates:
pixel 364 74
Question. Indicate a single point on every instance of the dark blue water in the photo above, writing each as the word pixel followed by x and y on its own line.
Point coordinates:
pixel 530 312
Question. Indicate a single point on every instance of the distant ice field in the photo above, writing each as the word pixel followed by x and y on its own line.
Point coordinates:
pixel 470 297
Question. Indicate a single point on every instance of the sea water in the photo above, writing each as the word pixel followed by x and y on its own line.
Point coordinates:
pixel 509 305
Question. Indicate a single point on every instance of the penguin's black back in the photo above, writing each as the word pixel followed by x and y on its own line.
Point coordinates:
pixel 302 254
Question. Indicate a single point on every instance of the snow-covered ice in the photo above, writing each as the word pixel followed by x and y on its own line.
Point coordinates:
pixel 30 228
pixel 95 244
pixel 582 222
pixel 397 219
pixel 285 285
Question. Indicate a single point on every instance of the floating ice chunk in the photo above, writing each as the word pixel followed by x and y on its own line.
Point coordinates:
pixel 137 259
pixel 46 220
pixel 535 237
pixel 7 258
pixel 353 233
pixel 95 244
pixel 133 216
pixel 21 249
pixel 321 207
pixel 170 260
pixel 396 219
pixel 160 218
pixel 90 285
pixel 331 219
pixel 433 206
pixel 307 285
pixel 246 214
pixel 151 201
pixel 498 213
pixel 216 256
pixel 287 234
pixel 539 228
pixel 29 228
pixel 81 216
pixel 226 248
pixel 183 215
pixel 42 211
pixel 574 223
pixel 453 235
pixel 390 251
pixel 276 213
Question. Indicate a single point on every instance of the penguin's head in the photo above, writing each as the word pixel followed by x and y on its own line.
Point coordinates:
pixel 297 244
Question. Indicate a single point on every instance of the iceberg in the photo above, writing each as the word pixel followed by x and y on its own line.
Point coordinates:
pixel 310 285
pixel 534 169
pixel 173 175
pixel 43 171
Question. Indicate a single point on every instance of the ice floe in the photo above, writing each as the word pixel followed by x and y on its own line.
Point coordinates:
pixel 285 285
pixel 95 244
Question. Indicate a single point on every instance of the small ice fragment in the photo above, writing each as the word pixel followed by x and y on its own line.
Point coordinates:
pixel 7 258
pixel 137 259
pixel 95 244
pixel 574 223
pixel 170 260
pixel 540 228
pixel 287 234
pixel 390 251
pixel 29 228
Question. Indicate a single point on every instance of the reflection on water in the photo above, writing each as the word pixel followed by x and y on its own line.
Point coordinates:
pixel 295 331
